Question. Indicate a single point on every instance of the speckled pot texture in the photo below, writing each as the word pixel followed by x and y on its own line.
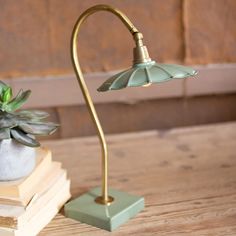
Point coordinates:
pixel 16 160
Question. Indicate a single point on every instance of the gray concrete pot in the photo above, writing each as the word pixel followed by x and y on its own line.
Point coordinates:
pixel 16 160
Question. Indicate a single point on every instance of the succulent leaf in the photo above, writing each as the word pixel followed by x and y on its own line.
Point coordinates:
pixel 24 139
pixel 7 94
pixel 7 120
pixel 18 101
pixel 5 134
pixel 21 125
pixel 3 86
pixel 45 128
pixel 33 114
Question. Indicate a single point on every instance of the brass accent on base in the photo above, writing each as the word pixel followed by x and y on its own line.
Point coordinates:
pixel 101 200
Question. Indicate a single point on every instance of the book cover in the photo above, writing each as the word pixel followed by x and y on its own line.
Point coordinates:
pixel 18 188
pixel 43 216
pixel 43 184
pixel 17 216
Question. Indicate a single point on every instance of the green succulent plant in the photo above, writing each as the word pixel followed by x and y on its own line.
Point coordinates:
pixel 23 125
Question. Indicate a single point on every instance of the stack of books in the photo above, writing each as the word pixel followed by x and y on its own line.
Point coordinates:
pixel 28 205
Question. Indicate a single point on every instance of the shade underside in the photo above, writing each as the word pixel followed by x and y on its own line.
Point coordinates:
pixel 146 73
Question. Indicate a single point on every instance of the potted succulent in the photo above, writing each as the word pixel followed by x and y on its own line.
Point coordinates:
pixel 18 129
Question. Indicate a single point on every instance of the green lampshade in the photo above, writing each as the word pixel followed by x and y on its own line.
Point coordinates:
pixel 144 74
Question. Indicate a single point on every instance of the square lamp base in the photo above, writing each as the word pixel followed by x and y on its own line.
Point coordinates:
pixel 86 210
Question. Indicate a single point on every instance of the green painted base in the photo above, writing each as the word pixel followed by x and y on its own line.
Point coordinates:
pixel 86 210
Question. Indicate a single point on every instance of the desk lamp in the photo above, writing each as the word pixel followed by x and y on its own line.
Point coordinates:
pixel 102 207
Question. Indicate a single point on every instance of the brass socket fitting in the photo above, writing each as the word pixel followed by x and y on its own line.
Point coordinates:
pixel 140 52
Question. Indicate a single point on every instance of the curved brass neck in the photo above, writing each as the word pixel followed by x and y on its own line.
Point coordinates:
pixel 104 199
pixel 108 8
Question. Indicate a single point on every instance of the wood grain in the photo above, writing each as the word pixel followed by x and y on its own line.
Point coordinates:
pixel 187 176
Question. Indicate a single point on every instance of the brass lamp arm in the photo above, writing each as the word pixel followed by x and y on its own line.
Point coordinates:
pixel 104 199
pixel 108 8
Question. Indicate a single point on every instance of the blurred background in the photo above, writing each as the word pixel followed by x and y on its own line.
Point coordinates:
pixel 35 54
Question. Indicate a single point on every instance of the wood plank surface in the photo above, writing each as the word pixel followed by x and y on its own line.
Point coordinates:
pixel 187 176
pixel 75 121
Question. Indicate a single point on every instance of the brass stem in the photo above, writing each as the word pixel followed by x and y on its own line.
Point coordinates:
pixel 104 199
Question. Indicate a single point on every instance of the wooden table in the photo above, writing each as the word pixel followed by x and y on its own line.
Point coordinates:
pixel 187 175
